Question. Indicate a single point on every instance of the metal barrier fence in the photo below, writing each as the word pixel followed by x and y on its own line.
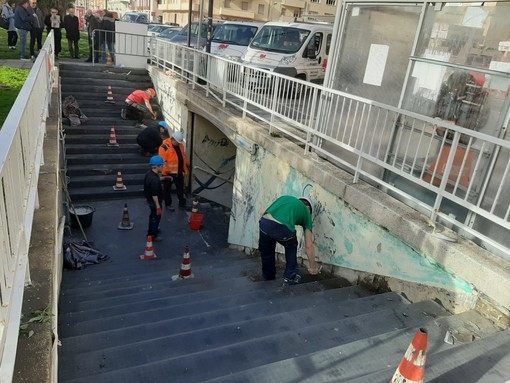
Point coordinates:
pixel 21 155
pixel 454 175
pixel 107 44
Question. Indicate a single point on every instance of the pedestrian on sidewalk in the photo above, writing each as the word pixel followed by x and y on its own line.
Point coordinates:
pixel 153 194
pixel 138 105
pixel 53 23
pixel 8 13
pixel 176 167
pixel 24 22
pixel 37 30
pixel 150 139
pixel 278 225
pixel 72 26
pixel 108 39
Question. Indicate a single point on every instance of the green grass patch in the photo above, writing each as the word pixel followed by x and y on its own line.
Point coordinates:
pixel 11 81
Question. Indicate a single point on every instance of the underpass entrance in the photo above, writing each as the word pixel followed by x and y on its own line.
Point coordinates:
pixel 213 162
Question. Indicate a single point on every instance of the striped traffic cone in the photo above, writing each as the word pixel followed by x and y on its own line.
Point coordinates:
pixel 412 366
pixel 119 185
pixel 113 137
pixel 185 271
pixel 125 223
pixel 149 250
pixel 109 96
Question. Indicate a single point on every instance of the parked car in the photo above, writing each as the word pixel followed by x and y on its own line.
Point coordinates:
pixel 196 42
pixel 166 35
pixel 135 17
pixel 231 38
pixel 298 50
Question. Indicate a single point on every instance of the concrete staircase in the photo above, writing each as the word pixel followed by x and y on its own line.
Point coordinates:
pixel 127 320
pixel 92 166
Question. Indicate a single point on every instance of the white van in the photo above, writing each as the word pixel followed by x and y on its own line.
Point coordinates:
pixel 231 38
pixel 298 50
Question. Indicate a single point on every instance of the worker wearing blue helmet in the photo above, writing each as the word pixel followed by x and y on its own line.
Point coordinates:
pixel 153 192
pixel 151 138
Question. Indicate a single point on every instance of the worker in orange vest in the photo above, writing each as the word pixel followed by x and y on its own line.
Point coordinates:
pixel 176 166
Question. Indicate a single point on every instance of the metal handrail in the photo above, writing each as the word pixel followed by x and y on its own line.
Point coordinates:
pixel 21 155
pixel 376 142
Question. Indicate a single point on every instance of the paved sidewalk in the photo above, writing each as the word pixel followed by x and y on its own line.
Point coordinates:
pixel 17 63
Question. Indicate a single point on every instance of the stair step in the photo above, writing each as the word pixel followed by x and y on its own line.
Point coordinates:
pixel 174 360
pixel 95 139
pixel 376 358
pixel 105 193
pixel 97 169
pixel 110 158
pixel 154 310
pixel 103 148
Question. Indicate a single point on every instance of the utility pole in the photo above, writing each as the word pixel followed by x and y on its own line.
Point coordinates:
pixel 209 26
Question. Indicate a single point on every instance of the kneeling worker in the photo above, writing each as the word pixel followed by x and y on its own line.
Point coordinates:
pixel 138 105
pixel 278 225
pixel 150 139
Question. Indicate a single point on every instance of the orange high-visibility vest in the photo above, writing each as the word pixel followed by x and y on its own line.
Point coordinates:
pixel 169 155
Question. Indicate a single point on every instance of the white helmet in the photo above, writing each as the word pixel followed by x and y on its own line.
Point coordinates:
pixel 307 202
pixel 178 136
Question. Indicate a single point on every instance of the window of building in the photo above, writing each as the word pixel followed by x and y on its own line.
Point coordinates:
pixel 244 5
pixel 297 13
pixel 316 2
pixel 262 9
pixel 330 2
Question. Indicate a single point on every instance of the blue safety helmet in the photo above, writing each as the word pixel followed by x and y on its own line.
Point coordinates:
pixel 163 124
pixel 157 161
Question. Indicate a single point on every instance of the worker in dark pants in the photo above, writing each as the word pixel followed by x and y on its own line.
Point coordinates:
pixel 154 195
pixel 278 225
pixel 176 166
pixel 150 139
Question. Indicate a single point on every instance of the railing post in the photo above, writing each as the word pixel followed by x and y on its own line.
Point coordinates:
pixel 275 102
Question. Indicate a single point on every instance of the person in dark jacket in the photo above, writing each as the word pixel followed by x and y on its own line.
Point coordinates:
pixel 72 27
pixel 108 37
pixel 37 31
pixel 93 23
pixel 150 138
pixel 153 192
pixel 53 23
pixel 24 22
pixel 8 13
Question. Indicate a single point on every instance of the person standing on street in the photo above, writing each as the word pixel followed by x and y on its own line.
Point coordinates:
pixel 176 166
pixel 37 30
pixel 53 23
pixel 24 22
pixel 278 225
pixel 72 27
pixel 8 13
pixel 153 194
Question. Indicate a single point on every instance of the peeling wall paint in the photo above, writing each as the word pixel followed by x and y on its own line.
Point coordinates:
pixel 342 236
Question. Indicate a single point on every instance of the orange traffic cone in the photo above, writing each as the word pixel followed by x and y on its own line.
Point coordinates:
pixel 185 271
pixel 149 250
pixel 125 223
pixel 194 208
pixel 109 61
pixel 412 366
pixel 113 137
pixel 109 95
pixel 119 185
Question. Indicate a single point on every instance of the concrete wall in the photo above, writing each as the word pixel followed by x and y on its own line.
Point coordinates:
pixel 358 228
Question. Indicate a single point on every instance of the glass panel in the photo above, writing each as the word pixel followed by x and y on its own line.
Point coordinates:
pixel 469 99
pixel 466 35
pixel 375 51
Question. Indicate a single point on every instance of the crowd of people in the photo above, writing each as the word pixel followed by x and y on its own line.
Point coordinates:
pixel 26 23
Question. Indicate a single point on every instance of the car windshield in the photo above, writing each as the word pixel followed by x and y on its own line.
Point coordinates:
pixel 169 33
pixel 281 39
pixel 237 34
pixel 130 18
pixel 155 28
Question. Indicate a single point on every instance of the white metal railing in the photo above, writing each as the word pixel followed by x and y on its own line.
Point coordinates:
pixel 21 155
pixel 438 168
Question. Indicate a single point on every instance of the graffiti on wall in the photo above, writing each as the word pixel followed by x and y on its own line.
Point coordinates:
pixel 342 236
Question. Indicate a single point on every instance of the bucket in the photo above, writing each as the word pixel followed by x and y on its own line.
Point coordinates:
pixel 82 212
pixel 195 222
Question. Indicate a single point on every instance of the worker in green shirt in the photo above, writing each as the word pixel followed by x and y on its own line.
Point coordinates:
pixel 278 225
